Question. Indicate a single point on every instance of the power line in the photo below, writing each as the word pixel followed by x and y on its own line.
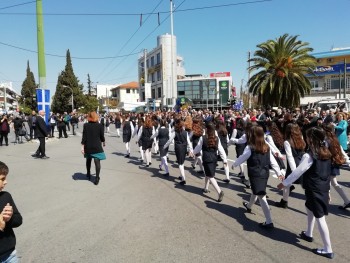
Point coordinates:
pixel 102 72
pixel 63 56
pixel 1 8
pixel 138 14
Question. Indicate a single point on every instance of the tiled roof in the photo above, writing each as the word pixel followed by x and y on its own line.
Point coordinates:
pixel 130 85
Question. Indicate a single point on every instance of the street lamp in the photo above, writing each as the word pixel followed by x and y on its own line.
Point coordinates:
pixel 220 102
pixel 207 82
pixel 65 86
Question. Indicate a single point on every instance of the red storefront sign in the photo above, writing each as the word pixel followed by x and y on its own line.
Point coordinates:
pixel 220 74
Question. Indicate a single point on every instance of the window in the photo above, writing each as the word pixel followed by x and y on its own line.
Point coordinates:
pixel 147 63
pixel 159 92
pixel 143 96
pixel 127 90
pixel 152 61
pixel 159 75
pixel 153 93
pixel 142 66
pixel 181 93
pixel 153 77
pixel 158 58
pixel 330 60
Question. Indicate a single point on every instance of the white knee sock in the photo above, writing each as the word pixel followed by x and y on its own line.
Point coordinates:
pixel 127 146
pixel 206 186
pixel 324 232
pixel 252 200
pixel 165 163
pixel 310 223
pixel 182 171
pixel 118 132
pixel 149 155
pixel 265 207
pixel 339 190
pixel 286 191
pixel 215 185
pixel 200 163
pixel 142 154
pixel 227 172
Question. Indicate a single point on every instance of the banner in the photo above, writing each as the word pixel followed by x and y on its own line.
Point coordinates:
pixel 43 101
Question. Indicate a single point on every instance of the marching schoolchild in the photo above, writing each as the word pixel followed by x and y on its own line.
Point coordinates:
pixel 259 157
pixel 210 144
pixel 315 166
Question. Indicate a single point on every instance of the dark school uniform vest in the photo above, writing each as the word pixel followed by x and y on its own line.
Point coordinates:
pixel 126 131
pixel 223 141
pixel 146 138
pixel 163 136
pixel 240 147
pixel 297 155
pixel 209 153
pixel 258 164
pixel 181 138
pixel 117 124
pixel 195 140
pixel 317 177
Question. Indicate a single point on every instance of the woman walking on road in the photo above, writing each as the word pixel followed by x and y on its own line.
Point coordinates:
pixel 128 130
pixel 92 141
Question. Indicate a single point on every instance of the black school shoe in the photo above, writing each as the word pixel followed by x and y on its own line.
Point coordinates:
pixel 221 196
pixel 344 207
pixel 245 204
pixel 320 252
pixel 267 226
pixel 303 236
pixel 282 204
pixel 183 182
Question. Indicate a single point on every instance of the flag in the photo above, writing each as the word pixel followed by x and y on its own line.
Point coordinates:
pixel 43 101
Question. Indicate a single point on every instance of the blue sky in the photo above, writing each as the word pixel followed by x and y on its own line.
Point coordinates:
pixel 212 39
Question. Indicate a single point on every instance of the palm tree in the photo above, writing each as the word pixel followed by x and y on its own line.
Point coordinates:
pixel 282 65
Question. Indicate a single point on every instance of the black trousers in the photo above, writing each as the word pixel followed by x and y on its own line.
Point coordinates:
pixel 41 149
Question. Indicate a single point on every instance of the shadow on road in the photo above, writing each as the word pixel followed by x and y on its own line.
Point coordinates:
pixel 79 176
pixel 239 214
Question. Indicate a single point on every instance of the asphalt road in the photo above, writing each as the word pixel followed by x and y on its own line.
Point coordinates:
pixel 137 215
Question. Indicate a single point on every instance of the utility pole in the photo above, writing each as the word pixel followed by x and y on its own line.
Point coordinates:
pixel 344 78
pixel 172 53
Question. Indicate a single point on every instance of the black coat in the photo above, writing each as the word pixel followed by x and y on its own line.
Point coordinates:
pixel 93 136
pixel 40 127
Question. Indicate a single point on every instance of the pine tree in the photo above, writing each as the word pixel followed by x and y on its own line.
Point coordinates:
pixel 68 83
pixel 28 90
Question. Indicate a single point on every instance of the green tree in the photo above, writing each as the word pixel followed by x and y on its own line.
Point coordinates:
pixel 67 83
pixel 90 89
pixel 28 90
pixel 91 102
pixel 282 65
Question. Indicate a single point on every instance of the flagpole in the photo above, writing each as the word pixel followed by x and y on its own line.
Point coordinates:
pixel 41 57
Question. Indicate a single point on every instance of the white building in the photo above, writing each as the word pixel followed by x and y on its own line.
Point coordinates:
pixel 8 97
pixel 127 95
pixel 163 67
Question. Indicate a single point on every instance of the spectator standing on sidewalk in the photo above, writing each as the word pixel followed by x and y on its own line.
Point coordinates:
pixel 4 130
pixel 74 122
